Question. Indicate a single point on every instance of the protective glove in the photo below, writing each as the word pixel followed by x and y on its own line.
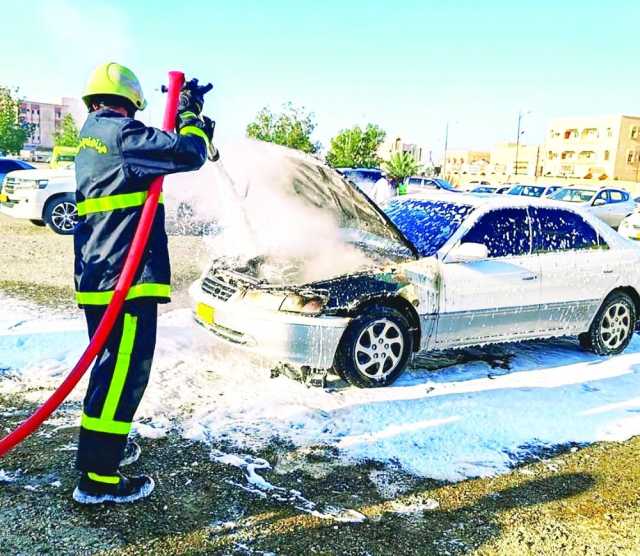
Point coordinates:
pixel 192 97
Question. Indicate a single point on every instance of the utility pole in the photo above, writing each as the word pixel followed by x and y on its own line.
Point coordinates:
pixel 446 144
pixel 520 116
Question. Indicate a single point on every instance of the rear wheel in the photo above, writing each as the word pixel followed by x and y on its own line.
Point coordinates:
pixel 613 327
pixel 375 348
pixel 61 214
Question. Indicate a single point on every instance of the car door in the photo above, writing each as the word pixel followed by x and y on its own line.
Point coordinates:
pixel 495 299
pixel 576 269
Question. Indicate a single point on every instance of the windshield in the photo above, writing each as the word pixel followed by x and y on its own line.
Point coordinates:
pixel 427 224
pixel 483 190
pixel 298 220
pixel 572 195
pixel 527 190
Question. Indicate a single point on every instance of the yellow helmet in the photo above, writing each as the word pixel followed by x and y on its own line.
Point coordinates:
pixel 114 79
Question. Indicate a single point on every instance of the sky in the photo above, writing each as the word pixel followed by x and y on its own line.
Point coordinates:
pixel 408 66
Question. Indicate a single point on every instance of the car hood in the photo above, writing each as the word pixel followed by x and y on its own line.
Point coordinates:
pixel 45 174
pixel 288 219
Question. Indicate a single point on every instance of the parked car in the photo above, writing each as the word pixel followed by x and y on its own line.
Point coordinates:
pixel 10 165
pixel 533 190
pixel 63 157
pixel 630 226
pixel 484 189
pixel 364 178
pixel 608 204
pixel 43 197
pixel 441 273
pixel 491 189
pixel 420 184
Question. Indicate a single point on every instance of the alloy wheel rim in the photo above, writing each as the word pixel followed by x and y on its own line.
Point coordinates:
pixel 379 349
pixel 615 325
pixel 65 216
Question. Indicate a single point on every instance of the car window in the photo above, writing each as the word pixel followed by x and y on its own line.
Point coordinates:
pixel 616 196
pixel 602 196
pixel 415 181
pixel 425 223
pixel 505 232
pixel 527 190
pixel 572 195
pixel 562 230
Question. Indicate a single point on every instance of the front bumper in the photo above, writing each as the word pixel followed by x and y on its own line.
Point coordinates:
pixel 25 203
pixel 278 336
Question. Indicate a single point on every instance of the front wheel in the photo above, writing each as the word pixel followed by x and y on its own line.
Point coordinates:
pixel 613 326
pixel 61 214
pixel 375 348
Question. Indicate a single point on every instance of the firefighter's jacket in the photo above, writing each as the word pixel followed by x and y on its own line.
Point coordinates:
pixel 117 161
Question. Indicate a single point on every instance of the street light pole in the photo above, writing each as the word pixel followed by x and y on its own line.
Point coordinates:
pixel 444 159
pixel 518 142
pixel 520 116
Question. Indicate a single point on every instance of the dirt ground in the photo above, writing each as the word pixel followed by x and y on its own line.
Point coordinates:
pixel 576 501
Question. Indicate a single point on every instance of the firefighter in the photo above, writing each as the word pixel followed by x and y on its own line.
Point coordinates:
pixel 117 161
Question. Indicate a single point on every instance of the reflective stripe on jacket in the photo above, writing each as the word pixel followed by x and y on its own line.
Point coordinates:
pixel 118 159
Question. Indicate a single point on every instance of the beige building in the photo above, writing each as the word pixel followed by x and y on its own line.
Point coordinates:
pixel 510 160
pixel 47 119
pixel 466 162
pixel 599 148
pixel 397 145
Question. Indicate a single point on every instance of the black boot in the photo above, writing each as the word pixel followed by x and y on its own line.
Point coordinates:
pixel 98 489
pixel 132 453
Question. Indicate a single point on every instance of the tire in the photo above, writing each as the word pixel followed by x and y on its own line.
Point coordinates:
pixel 37 222
pixel 612 327
pixel 354 359
pixel 61 214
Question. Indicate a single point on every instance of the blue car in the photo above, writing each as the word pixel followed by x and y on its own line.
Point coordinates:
pixel 364 178
pixel 9 165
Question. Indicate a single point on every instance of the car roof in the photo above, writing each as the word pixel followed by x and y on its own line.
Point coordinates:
pixel 487 201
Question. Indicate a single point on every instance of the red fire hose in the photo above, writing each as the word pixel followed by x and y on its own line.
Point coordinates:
pixel 176 80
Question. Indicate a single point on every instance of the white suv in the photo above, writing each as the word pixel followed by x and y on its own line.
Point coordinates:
pixel 43 197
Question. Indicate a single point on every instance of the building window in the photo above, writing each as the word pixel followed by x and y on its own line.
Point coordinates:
pixel 551 155
pixel 586 155
pixel 571 134
pixel 589 133
pixel 635 132
pixel 630 156
pixel 606 155
pixel 609 132
pixel 567 155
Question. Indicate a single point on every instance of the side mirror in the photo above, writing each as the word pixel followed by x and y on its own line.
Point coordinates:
pixel 599 202
pixel 467 252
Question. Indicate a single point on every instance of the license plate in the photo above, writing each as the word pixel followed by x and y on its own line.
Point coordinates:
pixel 205 313
pixel 3 198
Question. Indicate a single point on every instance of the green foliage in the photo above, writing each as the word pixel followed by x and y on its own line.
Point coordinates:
pixel 69 135
pixel 401 166
pixel 14 131
pixel 292 127
pixel 356 148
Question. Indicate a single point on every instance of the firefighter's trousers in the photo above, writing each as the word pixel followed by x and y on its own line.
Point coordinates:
pixel 118 381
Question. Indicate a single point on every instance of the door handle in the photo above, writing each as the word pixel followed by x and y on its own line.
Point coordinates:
pixel 529 278
pixel 607 271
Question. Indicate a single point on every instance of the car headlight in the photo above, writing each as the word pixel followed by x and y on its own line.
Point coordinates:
pixel 310 304
pixel 264 299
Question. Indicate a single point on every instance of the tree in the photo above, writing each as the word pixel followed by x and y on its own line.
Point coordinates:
pixel 401 166
pixel 14 131
pixel 292 127
pixel 356 148
pixel 68 136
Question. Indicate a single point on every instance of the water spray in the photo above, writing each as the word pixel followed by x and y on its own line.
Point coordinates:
pixel 132 262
